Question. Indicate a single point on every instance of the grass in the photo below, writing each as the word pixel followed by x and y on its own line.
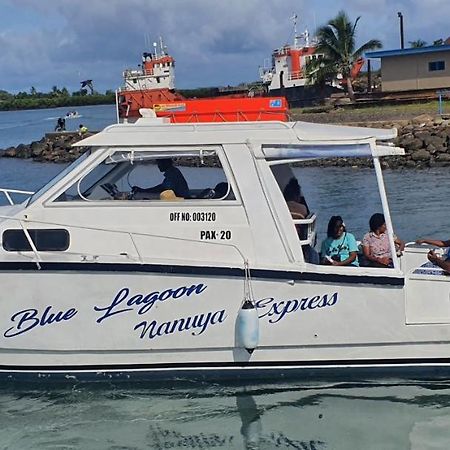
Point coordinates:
pixel 368 113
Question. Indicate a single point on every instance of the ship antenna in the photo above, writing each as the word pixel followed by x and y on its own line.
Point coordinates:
pixel 294 19
pixel 161 46
pixel 155 45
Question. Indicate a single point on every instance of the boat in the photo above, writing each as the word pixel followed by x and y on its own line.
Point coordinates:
pixel 284 74
pixel 152 86
pixel 72 115
pixel 100 281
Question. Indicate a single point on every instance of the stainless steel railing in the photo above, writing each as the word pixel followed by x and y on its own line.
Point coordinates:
pixel 7 193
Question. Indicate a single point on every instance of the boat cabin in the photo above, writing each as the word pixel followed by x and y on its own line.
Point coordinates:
pixel 233 210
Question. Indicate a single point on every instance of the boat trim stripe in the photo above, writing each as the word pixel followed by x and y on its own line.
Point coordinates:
pixel 200 270
pixel 262 365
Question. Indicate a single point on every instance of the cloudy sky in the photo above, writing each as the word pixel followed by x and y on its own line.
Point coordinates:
pixel 215 42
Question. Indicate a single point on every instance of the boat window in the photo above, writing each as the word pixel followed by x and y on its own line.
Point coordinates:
pixel 324 193
pixel 58 177
pixel 149 175
pixel 43 239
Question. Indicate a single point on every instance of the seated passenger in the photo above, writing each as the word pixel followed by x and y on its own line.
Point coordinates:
pixel 173 180
pixel 294 199
pixel 375 244
pixel 442 262
pixel 340 247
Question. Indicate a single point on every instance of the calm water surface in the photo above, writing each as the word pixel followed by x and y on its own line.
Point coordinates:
pixel 309 415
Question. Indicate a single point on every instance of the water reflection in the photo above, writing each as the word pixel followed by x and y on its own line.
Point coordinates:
pixel 382 414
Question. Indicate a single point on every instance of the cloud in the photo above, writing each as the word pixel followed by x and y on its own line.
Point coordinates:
pixel 60 42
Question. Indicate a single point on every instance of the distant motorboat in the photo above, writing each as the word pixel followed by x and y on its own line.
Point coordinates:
pixel 72 115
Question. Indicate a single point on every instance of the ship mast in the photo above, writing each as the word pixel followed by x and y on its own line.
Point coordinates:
pixel 296 37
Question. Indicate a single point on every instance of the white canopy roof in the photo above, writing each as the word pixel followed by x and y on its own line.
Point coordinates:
pixel 147 132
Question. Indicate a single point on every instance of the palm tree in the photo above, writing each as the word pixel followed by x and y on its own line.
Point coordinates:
pixel 336 41
pixel 418 44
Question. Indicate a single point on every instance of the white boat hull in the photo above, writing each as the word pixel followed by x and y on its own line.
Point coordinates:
pixel 63 320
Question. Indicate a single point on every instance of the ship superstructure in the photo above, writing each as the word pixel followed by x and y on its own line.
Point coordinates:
pixel 152 85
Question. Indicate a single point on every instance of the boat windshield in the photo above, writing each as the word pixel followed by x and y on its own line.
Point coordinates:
pixel 58 177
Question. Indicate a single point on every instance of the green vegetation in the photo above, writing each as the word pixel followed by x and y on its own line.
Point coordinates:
pixel 368 113
pixel 336 41
pixel 53 99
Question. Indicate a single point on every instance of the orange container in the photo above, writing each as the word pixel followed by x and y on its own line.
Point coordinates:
pixel 224 109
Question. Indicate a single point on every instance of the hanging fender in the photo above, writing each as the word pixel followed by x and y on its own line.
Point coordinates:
pixel 248 326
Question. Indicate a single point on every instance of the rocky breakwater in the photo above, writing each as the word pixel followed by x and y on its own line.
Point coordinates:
pixel 425 139
pixel 53 147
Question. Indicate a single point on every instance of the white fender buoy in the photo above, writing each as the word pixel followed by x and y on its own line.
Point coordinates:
pixel 248 326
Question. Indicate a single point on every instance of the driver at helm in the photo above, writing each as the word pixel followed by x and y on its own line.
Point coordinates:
pixel 173 180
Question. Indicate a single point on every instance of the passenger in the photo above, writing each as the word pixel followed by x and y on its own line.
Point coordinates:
pixel 340 247
pixel 442 262
pixel 82 130
pixel 60 124
pixel 375 244
pixel 294 199
pixel 173 180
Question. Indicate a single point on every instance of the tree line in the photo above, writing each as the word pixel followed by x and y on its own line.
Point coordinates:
pixel 55 98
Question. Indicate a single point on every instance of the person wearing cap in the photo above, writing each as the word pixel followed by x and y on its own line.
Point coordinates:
pixel 442 262
pixel 375 243
pixel 173 180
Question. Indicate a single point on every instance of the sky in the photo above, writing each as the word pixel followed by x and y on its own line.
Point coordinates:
pixel 46 43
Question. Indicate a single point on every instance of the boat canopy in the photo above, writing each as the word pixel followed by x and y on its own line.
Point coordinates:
pixel 268 139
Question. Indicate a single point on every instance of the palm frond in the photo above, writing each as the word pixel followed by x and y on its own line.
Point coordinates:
pixel 369 45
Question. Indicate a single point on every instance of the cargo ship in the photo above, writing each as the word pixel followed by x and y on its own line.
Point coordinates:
pixel 285 75
pixel 152 85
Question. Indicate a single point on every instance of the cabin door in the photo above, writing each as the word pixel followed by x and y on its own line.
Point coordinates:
pixel 427 298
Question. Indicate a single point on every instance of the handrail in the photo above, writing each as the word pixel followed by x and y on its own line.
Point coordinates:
pixel 7 193
pixel 311 229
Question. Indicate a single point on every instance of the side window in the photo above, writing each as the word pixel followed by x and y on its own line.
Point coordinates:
pixel 151 175
pixel 436 65
pixel 43 239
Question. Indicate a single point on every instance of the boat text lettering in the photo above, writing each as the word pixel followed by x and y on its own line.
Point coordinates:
pixel 210 235
pixel 196 216
pixel 198 324
pixel 27 319
pixel 144 302
pixel 276 310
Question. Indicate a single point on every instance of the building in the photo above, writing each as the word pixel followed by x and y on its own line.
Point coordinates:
pixel 413 69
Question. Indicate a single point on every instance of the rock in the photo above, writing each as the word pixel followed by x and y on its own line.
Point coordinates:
pixel 422 119
pixel 443 157
pixel 421 155
pixel 437 141
pixel 422 134
pixel 411 144
pixel 37 147
pixel 10 152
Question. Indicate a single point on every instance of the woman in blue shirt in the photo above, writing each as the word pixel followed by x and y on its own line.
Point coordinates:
pixel 340 247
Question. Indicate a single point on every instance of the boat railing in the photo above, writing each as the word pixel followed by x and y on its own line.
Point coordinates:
pixel 308 229
pixel 295 75
pixel 7 193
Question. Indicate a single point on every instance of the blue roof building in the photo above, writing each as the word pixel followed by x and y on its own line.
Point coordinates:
pixel 413 69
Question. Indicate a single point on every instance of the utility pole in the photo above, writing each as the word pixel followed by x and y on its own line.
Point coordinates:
pixel 402 37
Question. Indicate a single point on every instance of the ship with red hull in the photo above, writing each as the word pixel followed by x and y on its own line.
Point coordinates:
pixel 153 86
pixel 285 73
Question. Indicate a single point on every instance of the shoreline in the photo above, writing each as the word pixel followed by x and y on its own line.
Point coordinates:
pixel 426 140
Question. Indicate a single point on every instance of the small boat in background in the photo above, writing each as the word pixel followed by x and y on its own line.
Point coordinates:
pixel 72 115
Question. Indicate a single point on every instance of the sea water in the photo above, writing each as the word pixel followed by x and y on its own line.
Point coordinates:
pixel 379 413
